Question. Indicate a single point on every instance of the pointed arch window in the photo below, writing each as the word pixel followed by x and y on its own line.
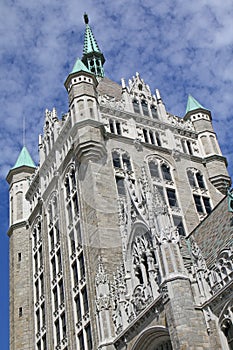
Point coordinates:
pixel 200 180
pixel 200 192
pixel 166 172
pixel 136 107
pixel 71 196
pixel 144 267
pixel 126 162
pixel 162 181
pixel 145 109
pixel 122 165
pixel 154 112
pixel 116 160
pixel 154 169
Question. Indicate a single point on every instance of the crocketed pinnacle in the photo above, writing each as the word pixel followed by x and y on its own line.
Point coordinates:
pixel 90 43
pixel 92 56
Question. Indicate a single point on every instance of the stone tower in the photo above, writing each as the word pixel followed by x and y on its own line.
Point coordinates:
pixel 108 258
pixel 21 315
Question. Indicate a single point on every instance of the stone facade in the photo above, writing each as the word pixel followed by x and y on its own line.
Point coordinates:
pixel 106 254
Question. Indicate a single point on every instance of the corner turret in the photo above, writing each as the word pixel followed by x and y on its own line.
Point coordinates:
pixel 215 162
pixel 18 181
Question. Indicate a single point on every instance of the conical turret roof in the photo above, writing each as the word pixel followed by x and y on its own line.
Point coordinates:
pixel 193 104
pixel 79 66
pixel 24 159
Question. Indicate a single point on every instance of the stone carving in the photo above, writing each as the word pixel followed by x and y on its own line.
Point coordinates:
pixel 180 123
pixel 111 102
pixel 103 297
pixel 140 299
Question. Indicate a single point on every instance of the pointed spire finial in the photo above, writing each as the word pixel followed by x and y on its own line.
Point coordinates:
pixel 92 56
pixel 86 19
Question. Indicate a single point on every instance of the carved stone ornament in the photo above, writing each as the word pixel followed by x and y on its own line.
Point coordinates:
pixel 111 102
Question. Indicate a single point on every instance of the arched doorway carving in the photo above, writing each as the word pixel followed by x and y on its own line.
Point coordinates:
pixel 153 338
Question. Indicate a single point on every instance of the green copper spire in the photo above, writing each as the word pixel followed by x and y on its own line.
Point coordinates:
pixel 79 66
pixel 193 104
pixel 24 159
pixel 90 43
pixel 92 56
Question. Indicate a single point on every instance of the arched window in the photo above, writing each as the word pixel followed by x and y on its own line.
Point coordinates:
pixel 121 160
pixel 116 159
pixel 145 109
pixel 163 183
pixel 72 201
pixel 122 164
pixel 154 112
pixel 126 161
pixel 200 192
pixel 227 328
pixel 166 172
pixel 154 169
pixel 200 180
pixel 136 106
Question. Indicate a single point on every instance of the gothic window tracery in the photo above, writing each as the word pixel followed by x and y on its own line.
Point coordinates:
pixel 187 146
pixel 72 201
pixel 38 280
pixel 200 192
pixel 151 137
pixel 162 179
pixel 76 261
pixel 122 166
pixel 226 324
pixel 145 276
pixel 145 109
pixel 115 126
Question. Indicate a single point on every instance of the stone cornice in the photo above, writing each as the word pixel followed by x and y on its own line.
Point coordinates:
pixel 147 121
pixel 17 225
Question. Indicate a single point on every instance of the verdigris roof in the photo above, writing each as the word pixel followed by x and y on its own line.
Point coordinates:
pixel 193 104
pixel 90 43
pixel 24 159
pixel 79 66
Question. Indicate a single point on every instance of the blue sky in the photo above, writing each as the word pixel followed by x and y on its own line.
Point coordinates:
pixel 178 46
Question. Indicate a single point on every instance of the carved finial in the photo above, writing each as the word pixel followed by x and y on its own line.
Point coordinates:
pixel 123 83
pixel 158 94
pixel 86 19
